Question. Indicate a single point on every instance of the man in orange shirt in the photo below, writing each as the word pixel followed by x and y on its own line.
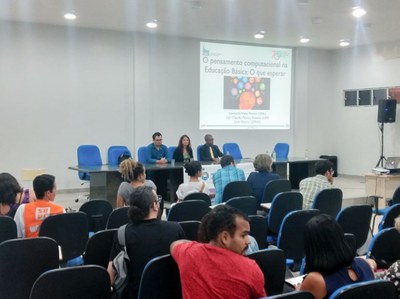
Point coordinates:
pixel 30 216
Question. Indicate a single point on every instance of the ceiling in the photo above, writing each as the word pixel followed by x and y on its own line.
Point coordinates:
pixel 325 22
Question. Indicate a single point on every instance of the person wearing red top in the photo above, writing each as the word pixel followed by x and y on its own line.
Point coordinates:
pixel 216 267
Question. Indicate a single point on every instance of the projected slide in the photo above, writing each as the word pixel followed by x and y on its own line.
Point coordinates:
pixel 244 87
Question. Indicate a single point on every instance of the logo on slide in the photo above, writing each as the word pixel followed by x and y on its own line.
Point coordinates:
pixel 206 52
pixel 279 54
pixel 247 93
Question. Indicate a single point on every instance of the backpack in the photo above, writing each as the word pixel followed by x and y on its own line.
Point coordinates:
pixel 121 266
pixel 124 156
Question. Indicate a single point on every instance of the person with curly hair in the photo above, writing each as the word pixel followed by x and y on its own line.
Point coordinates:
pixel 134 175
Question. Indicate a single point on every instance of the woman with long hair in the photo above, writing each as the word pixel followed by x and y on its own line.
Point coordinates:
pixel 184 152
pixel 330 261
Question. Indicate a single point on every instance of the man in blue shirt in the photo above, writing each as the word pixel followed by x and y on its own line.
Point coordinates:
pixel 228 173
pixel 157 150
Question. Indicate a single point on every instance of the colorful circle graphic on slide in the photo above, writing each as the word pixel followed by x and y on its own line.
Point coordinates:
pixel 247 100
pixel 246 93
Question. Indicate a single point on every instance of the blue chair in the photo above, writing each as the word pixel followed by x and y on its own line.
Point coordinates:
pixel 367 289
pixel 292 295
pixel 143 154
pixel 291 236
pixel 395 199
pixel 282 204
pixel 198 152
pixel 385 247
pixel 391 213
pixel 281 150
pixel 115 151
pixel 88 155
pixel 171 150
pixel 232 149
pixel 356 220
pixel 328 201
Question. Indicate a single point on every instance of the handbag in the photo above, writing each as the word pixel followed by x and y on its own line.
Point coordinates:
pixel 121 266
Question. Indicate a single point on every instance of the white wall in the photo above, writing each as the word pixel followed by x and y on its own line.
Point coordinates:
pixel 61 87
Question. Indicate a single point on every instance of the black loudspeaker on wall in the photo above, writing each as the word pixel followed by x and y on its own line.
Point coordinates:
pixel 387 111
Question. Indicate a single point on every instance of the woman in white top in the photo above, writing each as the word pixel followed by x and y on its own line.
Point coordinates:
pixel 134 176
pixel 194 170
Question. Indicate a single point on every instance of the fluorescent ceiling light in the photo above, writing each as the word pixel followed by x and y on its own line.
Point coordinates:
pixel 70 15
pixel 344 43
pixel 304 40
pixel 358 12
pixel 152 24
pixel 259 35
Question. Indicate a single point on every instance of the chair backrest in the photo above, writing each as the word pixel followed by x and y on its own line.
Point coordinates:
pixel 356 220
pixel 97 211
pixel 22 262
pixel 396 196
pixel 199 196
pixel 170 152
pixel 143 154
pixel 282 204
pixel 233 149
pixel 98 247
pixel 190 228
pixel 351 241
pixel 198 152
pixel 188 210
pixel 388 218
pixel 385 246
pixel 368 289
pixel 259 229
pixel 160 279
pixel 272 263
pixel 82 282
pixel 115 151
pixel 246 204
pixel 69 230
pixel 274 187
pixel 328 201
pixel 291 234
pixel 293 295
pixel 8 228
pixel 118 217
pixel 88 155
pixel 236 189
pixel 281 150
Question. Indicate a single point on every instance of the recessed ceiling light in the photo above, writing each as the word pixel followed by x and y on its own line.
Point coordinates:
pixel 259 35
pixel 304 40
pixel 358 12
pixel 344 43
pixel 70 15
pixel 152 24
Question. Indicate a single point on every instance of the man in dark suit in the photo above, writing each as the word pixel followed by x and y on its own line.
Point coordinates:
pixel 209 151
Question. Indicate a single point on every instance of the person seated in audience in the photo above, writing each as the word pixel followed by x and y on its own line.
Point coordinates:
pixel 216 267
pixel 134 175
pixel 323 179
pixel 146 237
pixel 228 173
pixel 30 216
pixel 209 151
pixel 194 170
pixel 330 261
pixel 12 195
pixel 263 174
pixel 157 151
pixel 184 152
